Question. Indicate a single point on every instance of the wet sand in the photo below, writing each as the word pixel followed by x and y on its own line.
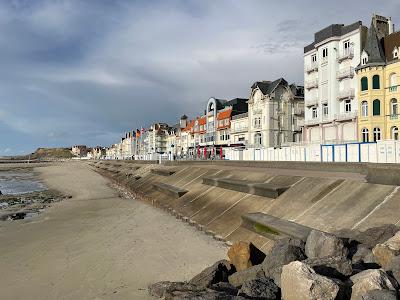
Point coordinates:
pixel 97 245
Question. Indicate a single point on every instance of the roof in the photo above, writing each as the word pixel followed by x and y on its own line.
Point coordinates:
pixel 189 126
pixel 390 42
pixel 224 114
pixel 374 49
pixel 202 120
pixel 332 31
pixel 267 87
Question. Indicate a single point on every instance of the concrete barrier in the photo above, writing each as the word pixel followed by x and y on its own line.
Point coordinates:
pixel 273 227
pixel 255 188
pixel 170 190
pixel 163 172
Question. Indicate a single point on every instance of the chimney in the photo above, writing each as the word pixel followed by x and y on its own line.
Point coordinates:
pixel 391 25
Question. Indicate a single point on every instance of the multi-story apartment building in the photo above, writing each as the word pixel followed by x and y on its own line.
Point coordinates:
pixel 377 75
pixel 79 150
pixel 275 113
pixel 330 83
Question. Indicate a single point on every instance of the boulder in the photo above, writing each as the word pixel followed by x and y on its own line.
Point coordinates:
pixel 238 278
pixel 218 272
pixel 363 254
pixel 300 282
pixel 203 295
pixel 225 287
pixel 380 295
pixel 321 244
pixel 369 280
pixel 161 289
pixel 393 268
pixel 376 235
pixel 336 267
pixel 282 253
pixel 239 255
pixel 386 251
pixel 260 288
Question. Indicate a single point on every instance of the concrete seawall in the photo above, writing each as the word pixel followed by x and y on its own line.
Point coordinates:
pixel 326 197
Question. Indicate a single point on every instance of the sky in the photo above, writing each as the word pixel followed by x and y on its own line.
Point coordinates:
pixel 85 72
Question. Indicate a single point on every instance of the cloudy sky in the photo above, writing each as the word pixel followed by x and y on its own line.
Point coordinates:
pixel 83 72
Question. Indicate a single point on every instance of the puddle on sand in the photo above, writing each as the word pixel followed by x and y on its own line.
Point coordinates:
pixel 15 183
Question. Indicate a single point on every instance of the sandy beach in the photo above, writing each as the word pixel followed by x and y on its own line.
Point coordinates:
pixel 97 245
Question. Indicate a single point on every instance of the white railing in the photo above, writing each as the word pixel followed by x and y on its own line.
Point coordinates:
pixel 312 121
pixel 345 73
pixel 346 54
pixel 346 94
pixel 312 67
pixel 346 116
pixel 239 129
pixel 310 84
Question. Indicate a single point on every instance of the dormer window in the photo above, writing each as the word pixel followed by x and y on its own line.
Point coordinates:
pixel 364 58
pixel 395 53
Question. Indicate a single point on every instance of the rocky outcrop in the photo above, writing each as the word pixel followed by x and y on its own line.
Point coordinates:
pixel 300 281
pixel 237 279
pixel 218 272
pixel 321 244
pixel 334 267
pixel 260 288
pixel 386 251
pixel 370 280
pixel 380 295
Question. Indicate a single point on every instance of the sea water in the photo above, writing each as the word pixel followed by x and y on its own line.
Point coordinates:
pixel 19 182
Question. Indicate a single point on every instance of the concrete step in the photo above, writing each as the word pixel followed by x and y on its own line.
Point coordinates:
pixel 163 172
pixel 255 188
pixel 170 190
pixel 274 228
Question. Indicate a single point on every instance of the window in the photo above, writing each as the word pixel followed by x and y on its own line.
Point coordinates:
pixel 364 109
pixel 257 139
pixel 347 106
pixel 325 54
pixel 377 134
pixel 395 53
pixel 394 133
pixel 346 46
pixel 365 135
pixel 325 110
pixel 393 79
pixel 375 82
pixel 364 84
pixel 314 58
pixel 376 108
pixel 226 121
pixel 364 60
pixel 393 107
pixel 314 112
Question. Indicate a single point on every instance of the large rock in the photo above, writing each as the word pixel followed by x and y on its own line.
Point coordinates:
pixel 163 288
pixel 261 288
pixel 393 268
pixel 216 273
pixel 363 254
pixel 200 295
pixel 225 287
pixel 336 267
pixel 300 282
pixel 380 295
pixel 283 252
pixel 238 278
pixel 369 280
pixel 386 251
pixel 376 235
pixel 321 244
pixel 239 255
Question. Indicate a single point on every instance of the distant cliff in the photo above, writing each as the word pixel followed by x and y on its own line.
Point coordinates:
pixel 52 153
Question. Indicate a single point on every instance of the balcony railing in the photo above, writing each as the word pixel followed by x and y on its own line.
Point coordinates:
pixel 257 126
pixel 346 94
pixel 346 116
pixel 313 67
pixel 310 84
pixel 298 111
pixel 346 54
pixel 239 129
pixel 310 101
pixel 393 88
pixel 345 73
pixel 394 117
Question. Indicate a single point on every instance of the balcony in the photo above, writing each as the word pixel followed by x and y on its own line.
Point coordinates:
pixel 346 54
pixel 346 94
pixel 393 117
pixel 345 73
pixel 393 88
pixel 346 116
pixel 313 67
pixel 239 129
pixel 257 126
pixel 300 123
pixel 311 84
pixel 298 111
pixel 311 122
pixel 311 101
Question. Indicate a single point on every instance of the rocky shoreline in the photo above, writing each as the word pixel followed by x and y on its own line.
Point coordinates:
pixel 346 265
pixel 28 205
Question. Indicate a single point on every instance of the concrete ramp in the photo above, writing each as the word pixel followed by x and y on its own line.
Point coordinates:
pixel 169 190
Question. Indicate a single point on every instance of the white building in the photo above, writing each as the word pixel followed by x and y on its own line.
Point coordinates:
pixel 331 85
pixel 275 113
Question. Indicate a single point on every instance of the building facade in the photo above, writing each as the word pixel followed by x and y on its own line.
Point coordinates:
pixel 275 113
pixel 330 83
pixel 377 77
